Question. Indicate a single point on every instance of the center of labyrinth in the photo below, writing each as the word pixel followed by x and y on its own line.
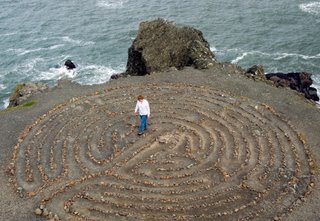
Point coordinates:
pixel 206 155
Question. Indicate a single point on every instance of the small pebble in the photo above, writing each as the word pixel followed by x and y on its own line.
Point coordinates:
pixel 38 211
pixel 45 212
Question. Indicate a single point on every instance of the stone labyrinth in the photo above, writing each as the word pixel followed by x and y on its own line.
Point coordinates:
pixel 206 155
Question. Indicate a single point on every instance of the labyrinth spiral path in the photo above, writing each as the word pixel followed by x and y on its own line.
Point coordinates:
pixel 206 155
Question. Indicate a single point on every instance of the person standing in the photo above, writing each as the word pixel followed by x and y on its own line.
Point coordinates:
pixel 142 109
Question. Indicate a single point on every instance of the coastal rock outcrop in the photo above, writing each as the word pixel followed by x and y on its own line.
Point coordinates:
pixel 24 90
pixel 256 72
pixel 160 44
pixel 299 81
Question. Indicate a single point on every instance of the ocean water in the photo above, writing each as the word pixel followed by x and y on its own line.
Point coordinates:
pixel 37 36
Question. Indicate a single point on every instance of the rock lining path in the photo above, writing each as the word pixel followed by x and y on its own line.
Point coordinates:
pixel 207 154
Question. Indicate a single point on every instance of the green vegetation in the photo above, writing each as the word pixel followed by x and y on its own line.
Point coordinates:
pixel 24 105
pixel 18 87
pixel 29 104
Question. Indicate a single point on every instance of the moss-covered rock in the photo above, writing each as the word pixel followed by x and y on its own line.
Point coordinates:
pixel 24 90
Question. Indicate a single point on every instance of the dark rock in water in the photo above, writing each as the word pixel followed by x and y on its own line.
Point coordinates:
pixel 24 90
pixel 256 72
pixel 160 45
pixel 300 81
pixel 69 64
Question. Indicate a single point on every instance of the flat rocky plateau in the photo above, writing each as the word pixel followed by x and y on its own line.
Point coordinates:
pixel 219 146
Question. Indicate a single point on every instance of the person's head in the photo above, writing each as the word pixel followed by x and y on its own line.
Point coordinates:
pixel 140 97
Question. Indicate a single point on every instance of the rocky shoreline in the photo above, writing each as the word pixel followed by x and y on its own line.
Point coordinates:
pixel 223 142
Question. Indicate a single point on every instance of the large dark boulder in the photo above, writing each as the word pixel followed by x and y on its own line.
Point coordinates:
pixel 25 90
pixel 160 45
pixel 299 81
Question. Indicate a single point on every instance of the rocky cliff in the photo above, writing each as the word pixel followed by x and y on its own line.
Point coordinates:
pixel 161 44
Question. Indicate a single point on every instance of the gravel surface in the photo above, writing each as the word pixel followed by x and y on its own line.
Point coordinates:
pixel 303 115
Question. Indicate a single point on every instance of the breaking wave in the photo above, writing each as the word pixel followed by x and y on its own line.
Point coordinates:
pixel 111 4
pixel 75 41
pixel 22 51
pixel 96 74
pixel 274 56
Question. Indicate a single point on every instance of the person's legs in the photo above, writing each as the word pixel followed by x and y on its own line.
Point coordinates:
pixel 143 123
pixel 146 122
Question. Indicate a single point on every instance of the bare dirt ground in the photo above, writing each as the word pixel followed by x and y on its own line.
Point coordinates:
pixel 219 146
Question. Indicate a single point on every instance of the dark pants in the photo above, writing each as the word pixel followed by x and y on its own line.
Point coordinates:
pixel 143 123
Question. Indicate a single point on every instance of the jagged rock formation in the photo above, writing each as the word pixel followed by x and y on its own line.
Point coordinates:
pixel 300 81
pixel 160 45
pixel 24 90
pixel 256 72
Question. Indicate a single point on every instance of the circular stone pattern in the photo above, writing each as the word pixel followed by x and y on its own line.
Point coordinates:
pixel 206 155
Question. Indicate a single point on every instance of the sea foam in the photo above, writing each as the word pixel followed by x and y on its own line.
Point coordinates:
pixel 311 7
pixel 213 49
pixel 316 84
pixel 83 74
pixel 279 56
pixel 27 67
pixel 239 58
pixel 112 4
pixel 6 103
pixel 77 42
pixel 2 87
pixel 8 34
pixel 275 56
pixel 96 74
pixel 54 74
pixel 22 51
pixel 247 53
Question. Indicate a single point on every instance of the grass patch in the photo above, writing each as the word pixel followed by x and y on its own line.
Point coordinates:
pixel 24 105
pixel 18 87
pixel 29 104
